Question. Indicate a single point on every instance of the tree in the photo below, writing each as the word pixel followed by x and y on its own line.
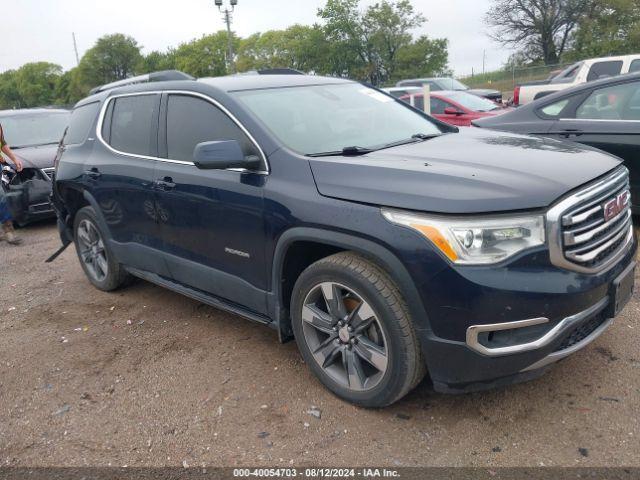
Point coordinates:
pixel 542 29
pixel 113 57
pixel 9 96
pixel 206 56
pixel 422 58
pixel 365 45
pixel 36 83
pixel 390 26
pixel 156 61
pixel 62 89
pixel 301 47
pixel 611 27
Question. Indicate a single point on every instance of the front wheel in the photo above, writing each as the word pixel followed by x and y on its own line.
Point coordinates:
pixel 354 330
pixel 96 259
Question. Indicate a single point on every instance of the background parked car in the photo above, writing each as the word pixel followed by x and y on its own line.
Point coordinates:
pixel 34 135
pixel 576 74
pixel 446 83
pixel 604 114
pixel 456 107
pixel 402 91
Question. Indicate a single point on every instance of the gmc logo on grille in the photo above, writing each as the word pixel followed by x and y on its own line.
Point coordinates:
pixel 613 207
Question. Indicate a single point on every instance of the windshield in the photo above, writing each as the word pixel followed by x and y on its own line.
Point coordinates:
pixel 472 102
pixel 27 130
pixel 323 118
pixel 452 84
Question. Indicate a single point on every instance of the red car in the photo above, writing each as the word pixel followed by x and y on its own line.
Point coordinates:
pixel 457 107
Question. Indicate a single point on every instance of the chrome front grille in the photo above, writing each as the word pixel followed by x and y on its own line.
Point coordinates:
pixel 592 229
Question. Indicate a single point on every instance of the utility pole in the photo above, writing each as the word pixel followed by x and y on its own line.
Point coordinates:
pixel 484 57
pixel 228 19
pixel 75 48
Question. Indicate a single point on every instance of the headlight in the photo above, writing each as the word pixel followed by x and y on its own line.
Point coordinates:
pixel 476 240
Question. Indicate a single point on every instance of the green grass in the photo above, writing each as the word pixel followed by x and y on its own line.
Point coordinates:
pixel 505 80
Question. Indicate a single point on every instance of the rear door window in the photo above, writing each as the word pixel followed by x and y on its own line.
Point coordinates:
pixel 134 124
pixel 438 106
pixel 618 102
pixel 80 123
pixel 604 70
pixel 192 120
pixel 418 102
pixel 635 66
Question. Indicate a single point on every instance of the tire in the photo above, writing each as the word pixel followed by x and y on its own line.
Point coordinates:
pixel 105 274
pixel 373 367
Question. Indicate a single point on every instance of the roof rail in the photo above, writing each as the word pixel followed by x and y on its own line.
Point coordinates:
pixel 280 71
pixel 163 76
pixel 272 71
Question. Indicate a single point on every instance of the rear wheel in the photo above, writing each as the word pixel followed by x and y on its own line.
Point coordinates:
pixel 353 329
pixel 96 259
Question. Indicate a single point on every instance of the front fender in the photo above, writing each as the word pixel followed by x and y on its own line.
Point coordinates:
pixel 377 253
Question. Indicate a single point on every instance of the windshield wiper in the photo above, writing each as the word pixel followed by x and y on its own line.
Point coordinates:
pixel 418 137
pixel 17 147
pixel 355 151
pixel 345 152
pixel 425 136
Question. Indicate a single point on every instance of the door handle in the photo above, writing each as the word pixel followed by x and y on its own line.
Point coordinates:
pixel 571 132
pixel 93 173
pixel 165 184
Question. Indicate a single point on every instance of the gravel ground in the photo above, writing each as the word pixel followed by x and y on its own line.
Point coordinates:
pixel 146 377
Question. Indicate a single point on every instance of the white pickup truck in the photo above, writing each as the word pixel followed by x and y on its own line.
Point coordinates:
pixel 581 72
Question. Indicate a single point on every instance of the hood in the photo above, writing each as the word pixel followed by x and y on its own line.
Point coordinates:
pixel 37 157
pixel 483 92
pixel 472 171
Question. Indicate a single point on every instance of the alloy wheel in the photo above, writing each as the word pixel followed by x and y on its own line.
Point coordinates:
pixel 92 251
pixel 345 336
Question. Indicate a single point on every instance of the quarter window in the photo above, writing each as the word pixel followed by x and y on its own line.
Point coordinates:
pixel 133 124
pixel 556 108
pixel 619 102
pixel 568 74
pixel 192 120
pixel 604 69
pixel 80 123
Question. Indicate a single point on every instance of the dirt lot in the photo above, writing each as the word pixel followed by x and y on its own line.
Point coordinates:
pixel 146 377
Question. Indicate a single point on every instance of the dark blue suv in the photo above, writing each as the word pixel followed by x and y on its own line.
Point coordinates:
pixel 387 243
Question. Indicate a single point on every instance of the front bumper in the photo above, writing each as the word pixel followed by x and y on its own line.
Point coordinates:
pixel 566 311
pixel 29 201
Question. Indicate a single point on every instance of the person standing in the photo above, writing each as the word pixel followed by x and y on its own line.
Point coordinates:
pixel 6 221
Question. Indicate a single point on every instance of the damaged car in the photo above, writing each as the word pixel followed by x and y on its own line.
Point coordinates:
pixel 33 134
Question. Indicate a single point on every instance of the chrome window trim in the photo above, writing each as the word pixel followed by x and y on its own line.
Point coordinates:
pixel 554 224
pixel 595 120
pixel 543 341
pixel 207 98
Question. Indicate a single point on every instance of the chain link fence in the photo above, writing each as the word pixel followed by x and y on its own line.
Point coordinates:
pixel 506 79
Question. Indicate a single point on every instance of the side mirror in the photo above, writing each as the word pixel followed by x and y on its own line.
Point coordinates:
pixel 452 111
pixel 221 155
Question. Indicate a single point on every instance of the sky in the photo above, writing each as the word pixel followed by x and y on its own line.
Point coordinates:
pixel 41 30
